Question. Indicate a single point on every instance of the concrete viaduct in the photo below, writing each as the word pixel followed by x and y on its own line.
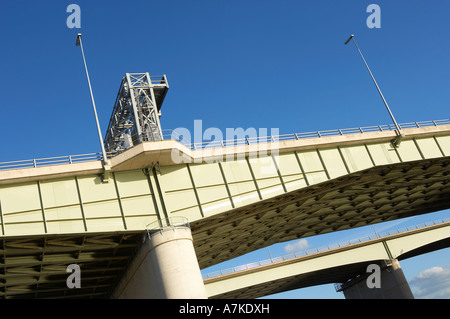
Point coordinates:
pixel 345 264
pixel 104 217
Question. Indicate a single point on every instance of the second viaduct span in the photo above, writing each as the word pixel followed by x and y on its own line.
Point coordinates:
pixel 344 263
pixel 94 214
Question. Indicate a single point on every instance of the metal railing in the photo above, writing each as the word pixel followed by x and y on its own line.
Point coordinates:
pixel 320 249
pixel 298 136
pixel 68 159
pixel 173 135
pixel 168 223
pixel 158 79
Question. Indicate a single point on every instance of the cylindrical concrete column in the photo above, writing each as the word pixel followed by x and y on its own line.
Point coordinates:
pixel 165 267
pixel 393 284
pixel 175 264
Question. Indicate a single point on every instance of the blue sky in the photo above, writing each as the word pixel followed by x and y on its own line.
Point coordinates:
pixel 246 63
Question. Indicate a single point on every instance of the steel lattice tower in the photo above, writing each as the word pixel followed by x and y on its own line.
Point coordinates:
pixel 136 113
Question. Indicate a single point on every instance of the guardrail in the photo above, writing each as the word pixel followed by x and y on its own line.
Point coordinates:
pixel 158 79
pixel 173 135
pixel 69 159
pixel 298 136
pixel 320 249
pixel 168 223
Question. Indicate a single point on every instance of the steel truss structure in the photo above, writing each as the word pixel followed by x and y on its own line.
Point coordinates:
pixel 136 113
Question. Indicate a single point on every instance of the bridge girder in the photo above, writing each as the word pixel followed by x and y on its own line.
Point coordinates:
pixel 362 198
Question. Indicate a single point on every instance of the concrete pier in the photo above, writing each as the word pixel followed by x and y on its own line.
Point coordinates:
pixel 392 285
pixel 165 267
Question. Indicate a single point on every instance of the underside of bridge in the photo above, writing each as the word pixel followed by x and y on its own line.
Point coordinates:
pixel 35 266
pixel 366 197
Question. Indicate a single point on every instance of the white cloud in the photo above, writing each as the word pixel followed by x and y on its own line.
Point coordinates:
pixel 432 283
pixel 297 245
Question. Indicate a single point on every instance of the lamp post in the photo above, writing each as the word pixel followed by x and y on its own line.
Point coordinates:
pixel 80 44
pixel 396 142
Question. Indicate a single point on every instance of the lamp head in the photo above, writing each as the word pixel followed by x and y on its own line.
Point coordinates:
pixel 351 37
pixel 78 39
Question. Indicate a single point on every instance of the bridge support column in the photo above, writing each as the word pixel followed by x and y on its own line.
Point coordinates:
pixel 165 267
pixel 393 285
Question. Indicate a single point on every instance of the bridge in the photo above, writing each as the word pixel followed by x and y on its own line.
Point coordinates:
pixel 232 197
pixel 55 215
pixel 332 264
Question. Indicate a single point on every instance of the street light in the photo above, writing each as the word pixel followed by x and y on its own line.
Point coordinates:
pixel 80 44
pixel 396 142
